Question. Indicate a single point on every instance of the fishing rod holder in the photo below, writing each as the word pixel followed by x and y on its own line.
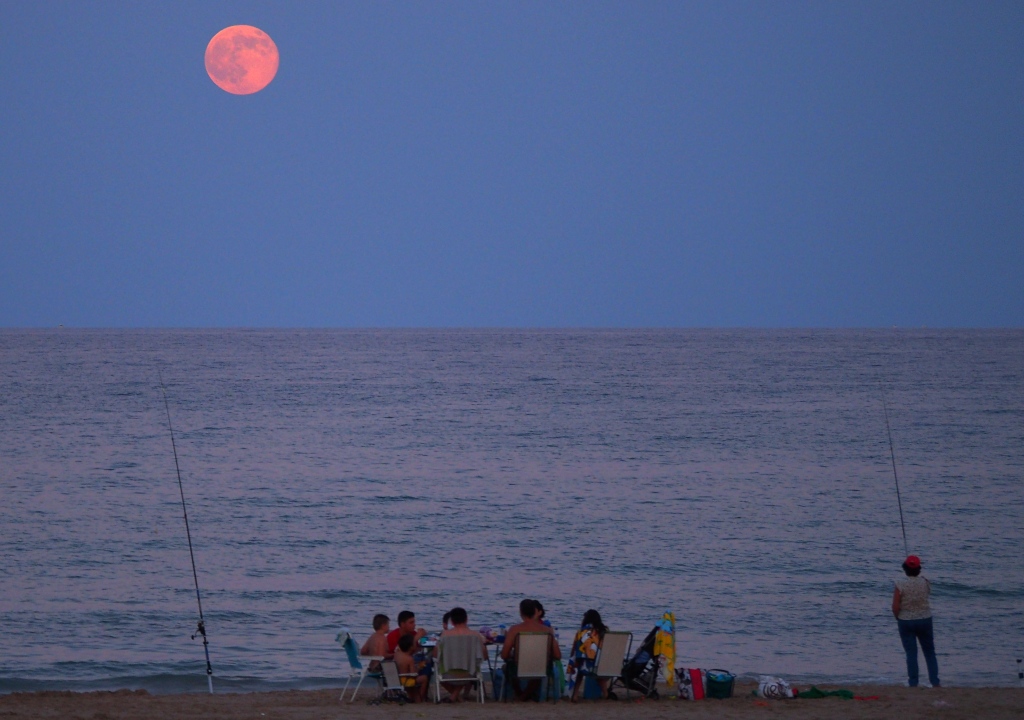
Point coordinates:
pixel 201 632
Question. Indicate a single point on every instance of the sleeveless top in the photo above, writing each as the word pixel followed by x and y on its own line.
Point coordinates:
pixel 914 592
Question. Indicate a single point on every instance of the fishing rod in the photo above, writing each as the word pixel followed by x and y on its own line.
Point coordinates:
pixel 201 628
pixel 892 456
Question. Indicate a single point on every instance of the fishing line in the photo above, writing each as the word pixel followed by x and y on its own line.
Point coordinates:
pixel 201 628
pixel 892 456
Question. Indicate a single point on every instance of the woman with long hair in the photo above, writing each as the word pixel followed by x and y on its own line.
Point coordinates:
pixel 583 658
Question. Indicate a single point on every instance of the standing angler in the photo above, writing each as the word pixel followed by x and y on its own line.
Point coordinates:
pixel 914 617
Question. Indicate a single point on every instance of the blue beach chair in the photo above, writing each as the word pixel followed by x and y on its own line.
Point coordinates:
pixel 359 664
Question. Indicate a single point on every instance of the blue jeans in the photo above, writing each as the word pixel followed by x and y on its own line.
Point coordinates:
pixel 913 632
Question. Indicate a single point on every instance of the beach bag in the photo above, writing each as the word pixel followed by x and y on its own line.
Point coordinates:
pixel 591 689
pixel 558 680
pixel 774 688
pixel 720 684
pixel 692 683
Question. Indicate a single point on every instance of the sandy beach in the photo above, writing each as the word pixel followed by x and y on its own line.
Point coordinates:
pixel 891 702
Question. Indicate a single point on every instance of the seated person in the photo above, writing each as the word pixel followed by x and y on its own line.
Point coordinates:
pixel 406 626
pixel 583 657
pixel 377 644
pixel 540 616
pixel 414 680
pixel 528 612
pixel 460 622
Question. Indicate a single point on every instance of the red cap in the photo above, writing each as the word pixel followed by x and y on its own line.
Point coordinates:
pixel 913 562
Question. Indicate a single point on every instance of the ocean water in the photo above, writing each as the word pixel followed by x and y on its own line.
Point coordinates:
pixel 741 479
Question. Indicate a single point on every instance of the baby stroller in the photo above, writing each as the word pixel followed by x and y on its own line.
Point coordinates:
pixel 640 672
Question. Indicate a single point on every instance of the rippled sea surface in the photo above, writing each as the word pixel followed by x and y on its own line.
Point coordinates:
pixel 741 479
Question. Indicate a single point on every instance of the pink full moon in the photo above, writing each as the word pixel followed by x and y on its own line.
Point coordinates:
pixel 241 59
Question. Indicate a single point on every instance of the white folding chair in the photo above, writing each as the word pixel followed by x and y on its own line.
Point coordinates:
pixel 533 659
pixel 391 681
pixel 462 653
pixel 611 657
pixel 359 664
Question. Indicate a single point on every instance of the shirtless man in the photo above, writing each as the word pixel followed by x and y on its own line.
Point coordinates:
pixel 460 621
pixel 528 612
pixel 377 644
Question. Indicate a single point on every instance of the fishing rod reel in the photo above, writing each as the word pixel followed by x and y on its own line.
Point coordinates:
pixel 200 630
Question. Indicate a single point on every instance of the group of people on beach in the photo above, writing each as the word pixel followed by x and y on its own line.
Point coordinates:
pixel 910 606
pixel 415 668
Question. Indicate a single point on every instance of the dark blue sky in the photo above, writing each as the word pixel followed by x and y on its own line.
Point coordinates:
pixel 515 164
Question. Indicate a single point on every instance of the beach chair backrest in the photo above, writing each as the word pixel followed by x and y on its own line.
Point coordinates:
pixel 390 672
pixel 614 648
pixel 459 652
pixel 349 645
pixel 533 653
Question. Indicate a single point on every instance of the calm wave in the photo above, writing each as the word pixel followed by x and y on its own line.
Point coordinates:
pixel 738 478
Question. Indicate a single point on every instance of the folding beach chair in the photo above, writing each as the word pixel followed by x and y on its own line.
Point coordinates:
pixel 461 654
pixel 611 658
pixel 391 682
pixel 533 660
pixel 359 664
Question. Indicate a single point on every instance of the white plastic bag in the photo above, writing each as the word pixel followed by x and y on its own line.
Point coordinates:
pixel 774 688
